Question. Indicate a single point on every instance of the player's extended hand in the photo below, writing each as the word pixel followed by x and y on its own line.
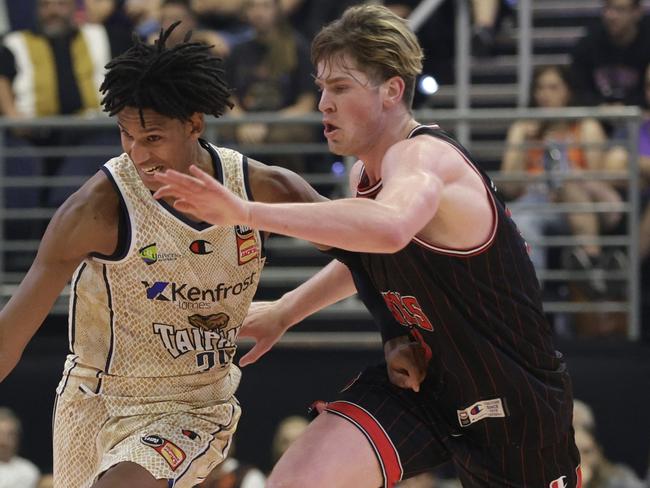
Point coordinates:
pixel 203 197
pixel 406 362
pixel 265 325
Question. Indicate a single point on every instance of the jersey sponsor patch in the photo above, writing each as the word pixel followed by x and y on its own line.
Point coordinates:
pixel 209 322
pixel 171 453
pixel 150 255
pixel 480 410
pixel 247 248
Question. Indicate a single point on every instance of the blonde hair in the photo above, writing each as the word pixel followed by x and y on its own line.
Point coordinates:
pixel 380 42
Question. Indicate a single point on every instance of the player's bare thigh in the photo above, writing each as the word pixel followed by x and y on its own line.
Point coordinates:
pixel 128 475
pixel 331 452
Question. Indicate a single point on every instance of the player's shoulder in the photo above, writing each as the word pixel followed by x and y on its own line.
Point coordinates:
pixel 86 222
pixel 422 148
pixel 95 204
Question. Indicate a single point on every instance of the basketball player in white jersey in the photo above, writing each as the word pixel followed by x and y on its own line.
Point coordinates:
pixel 157 296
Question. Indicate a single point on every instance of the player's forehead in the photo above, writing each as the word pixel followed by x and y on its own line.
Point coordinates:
pixel 339 66
pixel 129 118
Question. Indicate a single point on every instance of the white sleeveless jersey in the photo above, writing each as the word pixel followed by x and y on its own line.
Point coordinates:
pixel 172 305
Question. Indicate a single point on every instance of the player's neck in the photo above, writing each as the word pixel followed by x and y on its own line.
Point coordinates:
pixel 394 133
pixel 202 159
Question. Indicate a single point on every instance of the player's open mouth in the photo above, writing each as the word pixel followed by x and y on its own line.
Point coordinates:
pixel 329 128
pixel 153 170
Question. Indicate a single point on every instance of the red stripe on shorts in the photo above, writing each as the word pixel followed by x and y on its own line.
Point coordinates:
pixel 383 446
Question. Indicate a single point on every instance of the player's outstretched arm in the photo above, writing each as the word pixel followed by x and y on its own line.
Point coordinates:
pixel 266 322
pixel 85 223
pixel 412 187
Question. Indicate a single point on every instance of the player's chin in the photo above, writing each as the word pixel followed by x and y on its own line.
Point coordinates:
pixel 337 148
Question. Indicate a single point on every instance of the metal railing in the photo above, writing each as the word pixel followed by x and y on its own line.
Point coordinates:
pixel 291 276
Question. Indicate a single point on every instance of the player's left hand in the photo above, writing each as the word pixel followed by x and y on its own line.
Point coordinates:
pixel 203 197
pixel 406 362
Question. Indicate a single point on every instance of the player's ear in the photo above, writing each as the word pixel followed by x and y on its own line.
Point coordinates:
pixel 197 124
pixel 394 90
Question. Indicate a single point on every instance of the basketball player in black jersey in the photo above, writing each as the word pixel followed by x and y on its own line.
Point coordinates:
pixel 445 272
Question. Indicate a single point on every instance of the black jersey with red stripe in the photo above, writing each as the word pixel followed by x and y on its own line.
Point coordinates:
pixel 494 370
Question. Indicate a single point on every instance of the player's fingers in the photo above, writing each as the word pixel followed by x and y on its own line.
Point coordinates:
pixel 400 377
pixel 179 180
pixel 183 205
pixel 419 360
pixel 165 191
pixel 201 175
pixel 253 355
pixel 413 378
pixel 248 328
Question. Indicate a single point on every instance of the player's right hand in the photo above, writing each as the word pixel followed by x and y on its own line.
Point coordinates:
pixel 265 326
pixel 406 362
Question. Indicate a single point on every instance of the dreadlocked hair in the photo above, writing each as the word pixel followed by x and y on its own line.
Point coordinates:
pixel 173 81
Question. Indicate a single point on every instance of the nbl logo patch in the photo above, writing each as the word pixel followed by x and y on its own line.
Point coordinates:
pixel 247 248
pixel 170 452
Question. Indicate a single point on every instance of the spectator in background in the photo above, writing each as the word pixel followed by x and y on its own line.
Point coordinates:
pixel 308 16
pixel 288 430
pixel 223 16
pixel 271 72
pixel 436 36
pixel 486 17
pixel 618 160
pixel 179 10
pixel 112 15
pixel 556 148
pixel 583 416
pixel 20 14
pixel 145 15
pixel 597 470
pixel 609 62
pixel 15 472
pixel 56 69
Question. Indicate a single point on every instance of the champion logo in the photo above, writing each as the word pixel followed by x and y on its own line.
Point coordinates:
pixel 201 247
pixel 190 434
pixel 559 483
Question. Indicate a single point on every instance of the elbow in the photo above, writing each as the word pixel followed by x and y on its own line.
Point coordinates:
pixel 7 363
pixel 394 239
